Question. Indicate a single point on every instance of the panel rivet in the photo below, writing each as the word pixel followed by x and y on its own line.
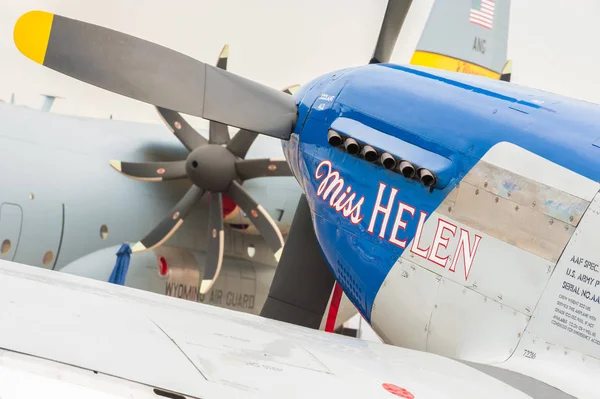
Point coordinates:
pixel 496 200
pixel 477 192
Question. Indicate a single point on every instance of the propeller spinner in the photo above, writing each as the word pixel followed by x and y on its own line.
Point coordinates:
pixel 213 168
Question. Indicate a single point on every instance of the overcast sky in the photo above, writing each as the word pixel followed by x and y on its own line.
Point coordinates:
pixel 280 42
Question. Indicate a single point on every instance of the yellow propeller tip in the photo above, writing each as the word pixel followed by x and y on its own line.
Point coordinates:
pixel 116 165
pixel 32 33
pixel 224 52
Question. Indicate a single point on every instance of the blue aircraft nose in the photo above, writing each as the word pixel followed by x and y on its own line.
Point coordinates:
pixel 311 96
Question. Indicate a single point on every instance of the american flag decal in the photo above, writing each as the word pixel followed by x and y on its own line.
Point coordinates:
pixel 482 13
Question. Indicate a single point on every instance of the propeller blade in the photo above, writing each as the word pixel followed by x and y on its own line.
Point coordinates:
pixel 253 168
pixel 218 133
pixel 188 136
pixel 395 14
pixel 241 143
pixel 291 89
pixel 171 222
pixel 506 71
pixel 216 243
pixel 222 61
pixel 258 216
pixel 151 171
pixel 153 74
pixel 303 281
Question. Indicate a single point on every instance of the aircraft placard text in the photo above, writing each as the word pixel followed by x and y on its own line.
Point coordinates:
pixel 479 45
pixel 579 300
pixel 343 199
pixel 229 299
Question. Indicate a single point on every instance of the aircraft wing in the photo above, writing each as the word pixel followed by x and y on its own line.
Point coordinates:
pixel 68 336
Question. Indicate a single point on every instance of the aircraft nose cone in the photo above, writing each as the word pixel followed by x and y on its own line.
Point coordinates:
pixel 211 167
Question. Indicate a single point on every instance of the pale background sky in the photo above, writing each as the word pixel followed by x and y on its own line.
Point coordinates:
pixel 278 42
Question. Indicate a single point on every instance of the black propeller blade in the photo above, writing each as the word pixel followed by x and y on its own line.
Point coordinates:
pixel 253 168
pixel 259 217
pixel 151 171
pixel 395 14
pixel 171 222
pixel 188 136
pixel 154 74
pixel 303 282
pixel 506 71
pixel 172 81
pixel 241 143
pixel 216 243
pixel 220 171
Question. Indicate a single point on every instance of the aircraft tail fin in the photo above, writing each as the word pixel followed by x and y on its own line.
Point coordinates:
pixel 469 36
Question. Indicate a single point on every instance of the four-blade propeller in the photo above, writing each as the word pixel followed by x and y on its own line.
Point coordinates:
pixel 170 80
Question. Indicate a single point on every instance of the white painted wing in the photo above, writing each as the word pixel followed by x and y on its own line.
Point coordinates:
pixel 198 350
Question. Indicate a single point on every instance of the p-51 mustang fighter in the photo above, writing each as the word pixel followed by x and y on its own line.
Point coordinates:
pixel 457 212
pixel 86 221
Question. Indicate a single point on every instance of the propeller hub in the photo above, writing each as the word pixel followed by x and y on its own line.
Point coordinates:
pixel 211 167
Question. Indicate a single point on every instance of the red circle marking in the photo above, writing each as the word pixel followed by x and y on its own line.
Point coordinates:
pixel 161 171
pixel 163 266
pixel 254 213
pixel 396 390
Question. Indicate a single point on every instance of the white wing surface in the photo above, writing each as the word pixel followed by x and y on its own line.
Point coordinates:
pixel 66 336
